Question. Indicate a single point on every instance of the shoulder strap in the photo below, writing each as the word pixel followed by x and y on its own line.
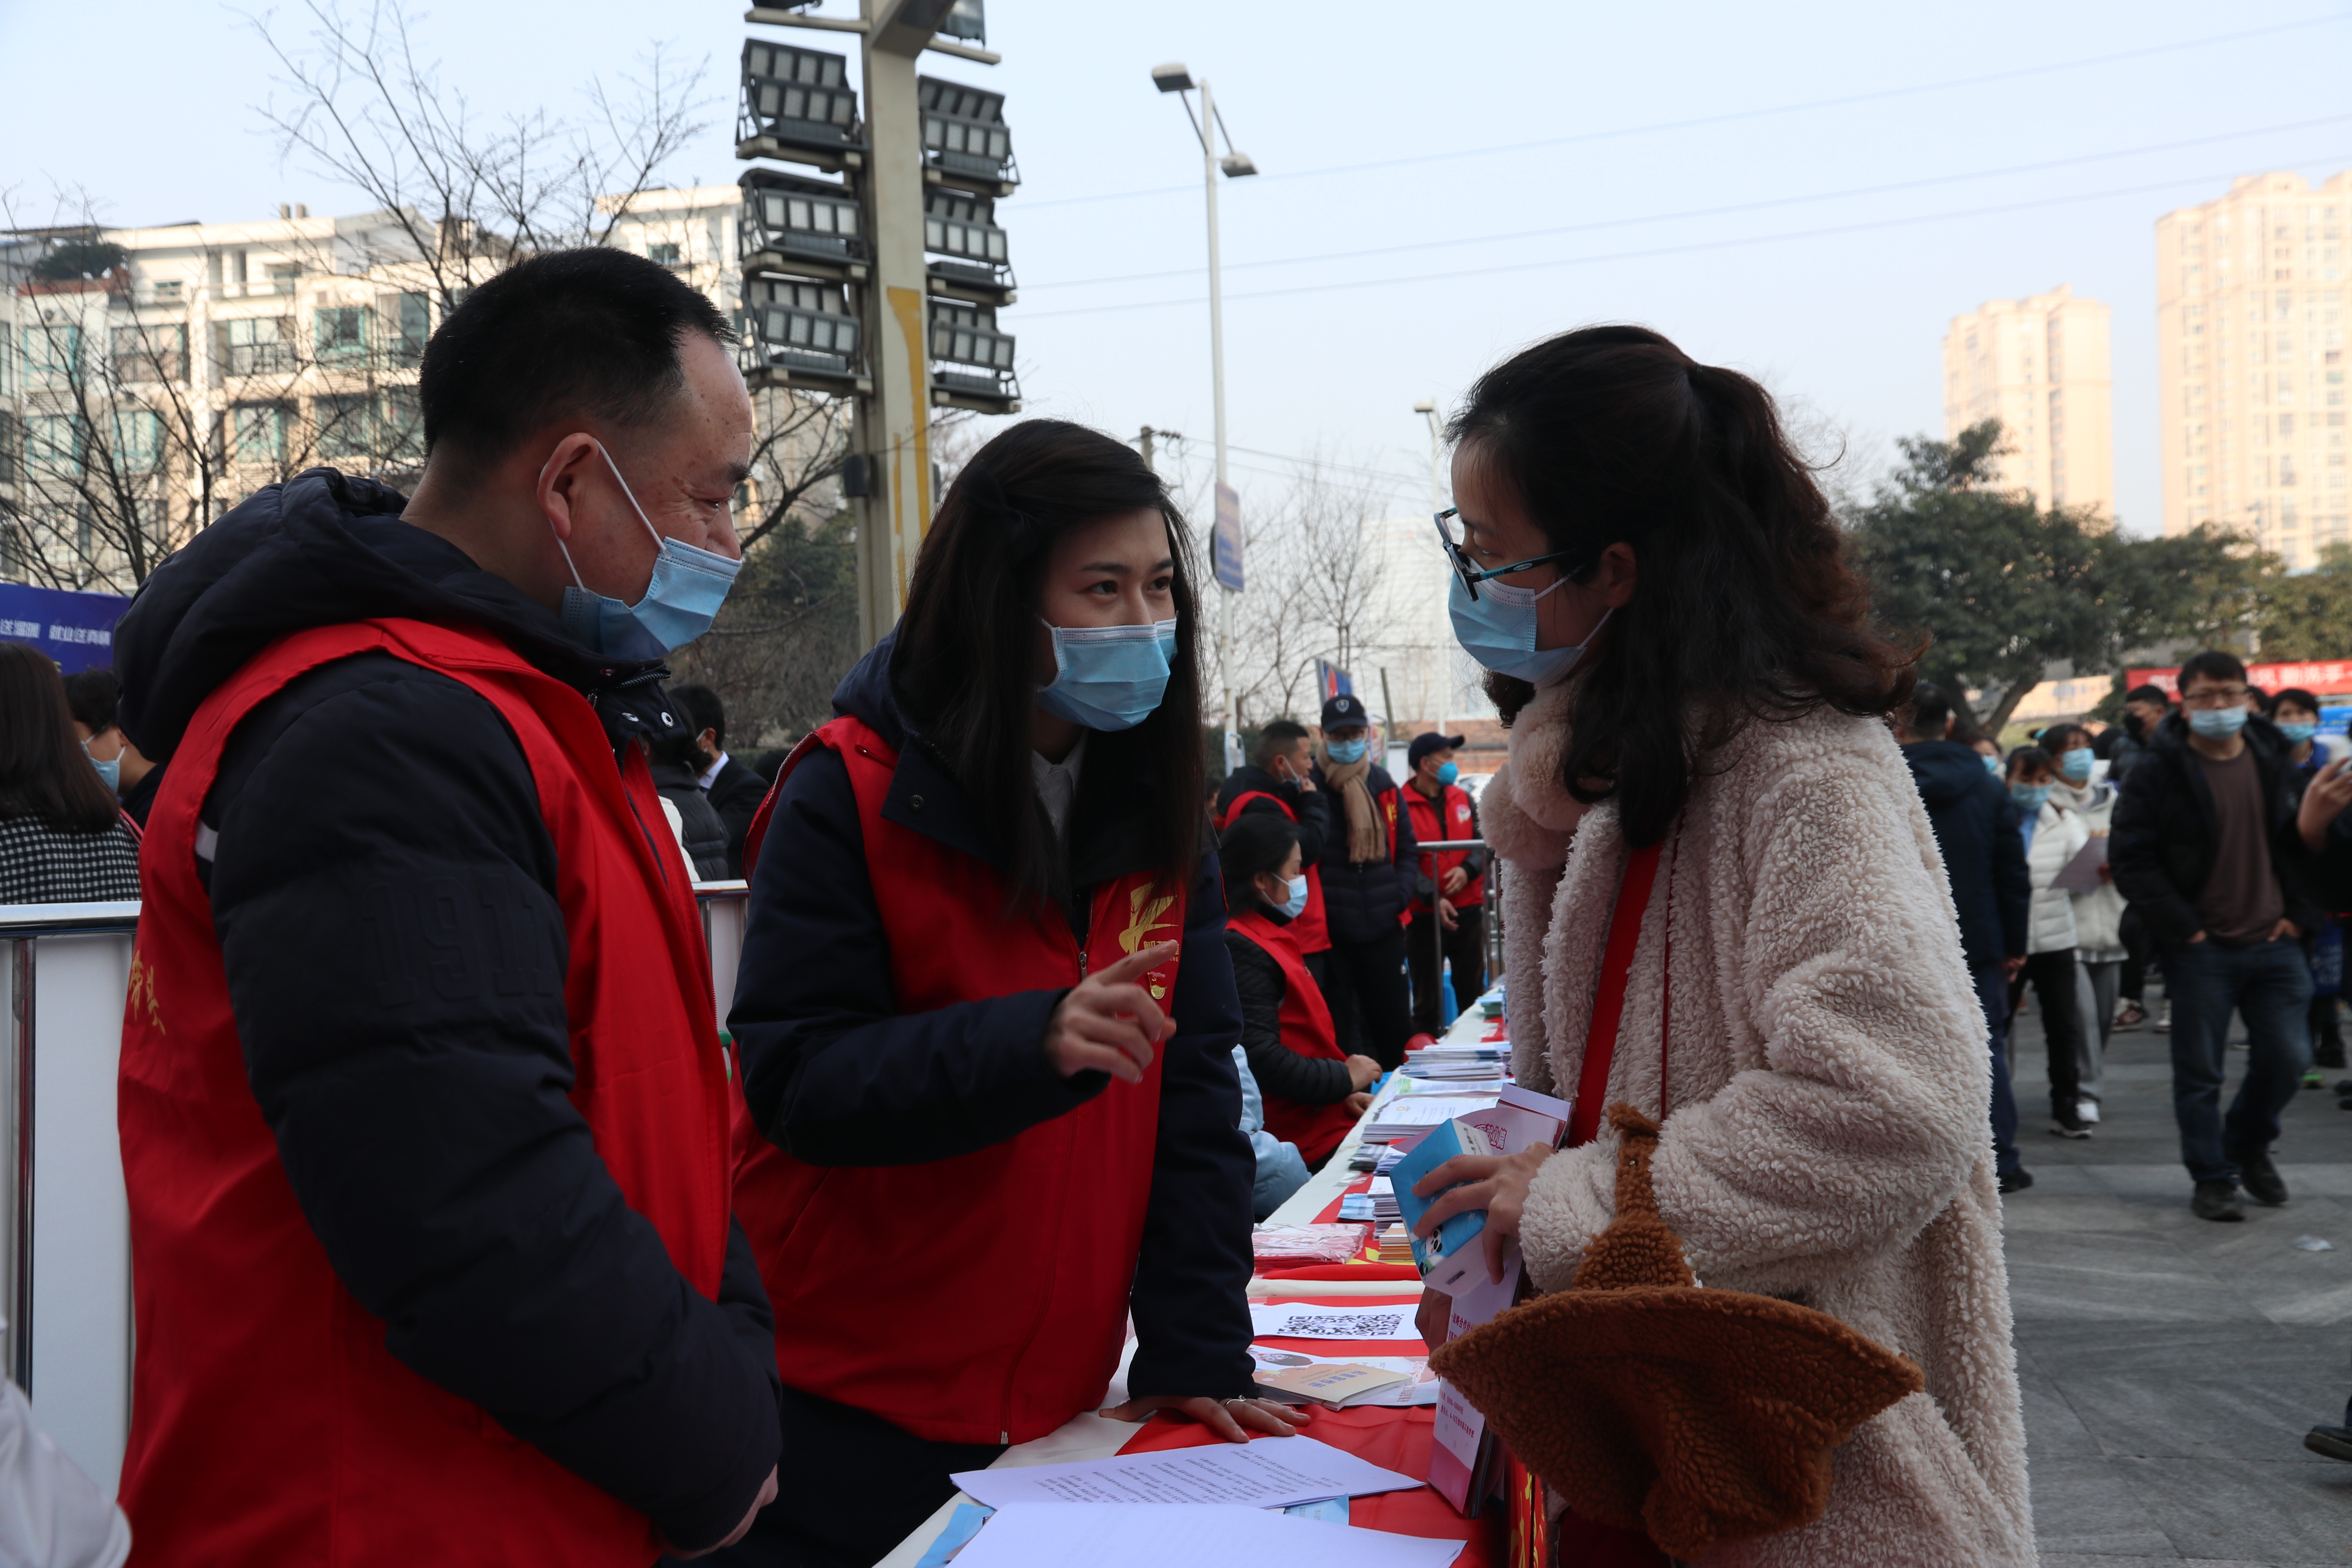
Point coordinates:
pixel 1609 1002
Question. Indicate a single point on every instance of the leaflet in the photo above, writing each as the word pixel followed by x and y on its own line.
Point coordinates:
pixel 1295 1321
pixel 1266 1472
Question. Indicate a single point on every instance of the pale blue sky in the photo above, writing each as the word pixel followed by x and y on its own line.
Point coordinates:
pixel 1841 313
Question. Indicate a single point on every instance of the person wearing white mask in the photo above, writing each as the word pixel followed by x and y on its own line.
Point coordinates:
pixel 2054 834
pixel 1725 907
pixel 1314 1091
pixel 2099 951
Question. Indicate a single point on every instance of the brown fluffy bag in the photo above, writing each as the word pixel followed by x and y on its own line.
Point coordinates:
pixel 1650 1403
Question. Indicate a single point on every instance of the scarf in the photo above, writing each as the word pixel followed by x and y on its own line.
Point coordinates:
pixel 1368 838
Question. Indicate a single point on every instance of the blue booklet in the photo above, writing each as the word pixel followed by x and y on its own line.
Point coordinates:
pixel 1441 1144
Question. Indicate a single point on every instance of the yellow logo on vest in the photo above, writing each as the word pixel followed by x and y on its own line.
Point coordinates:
pixel 1143 913
pixel 141 992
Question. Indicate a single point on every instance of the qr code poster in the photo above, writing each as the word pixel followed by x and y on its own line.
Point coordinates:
pixel 1302 1323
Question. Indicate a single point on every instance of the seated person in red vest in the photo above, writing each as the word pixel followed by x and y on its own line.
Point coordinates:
pixel 1452 929
pixel 1279 781
pixel 423 1114
pixel 1314 1091
pixel 986 1015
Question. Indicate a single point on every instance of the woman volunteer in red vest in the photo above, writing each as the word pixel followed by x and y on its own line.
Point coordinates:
pixel 986 1017
pixel 1314 1091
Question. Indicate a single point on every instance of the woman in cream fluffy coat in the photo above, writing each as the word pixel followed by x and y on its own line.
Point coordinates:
pixel 1798 1007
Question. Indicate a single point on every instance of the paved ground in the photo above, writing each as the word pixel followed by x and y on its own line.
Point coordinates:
pixel 2170 1364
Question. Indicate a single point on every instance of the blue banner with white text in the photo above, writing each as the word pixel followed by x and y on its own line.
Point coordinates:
pixel 75 629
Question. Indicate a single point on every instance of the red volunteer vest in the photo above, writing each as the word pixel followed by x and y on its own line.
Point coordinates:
pixel 1305 1020
pixel 1435 821
pixel 1311 931
pixel 980 1299
pixel 269 1425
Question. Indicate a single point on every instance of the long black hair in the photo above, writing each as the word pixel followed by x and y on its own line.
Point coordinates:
pixel 1257 842
pixel 44 771
pixel 1745 605
pixel 965 662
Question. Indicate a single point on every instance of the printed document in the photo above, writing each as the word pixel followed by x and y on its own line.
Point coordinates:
pixel 1297 1322
pixel 1266 1472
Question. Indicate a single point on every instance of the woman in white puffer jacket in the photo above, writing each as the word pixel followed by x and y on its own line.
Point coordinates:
pixel 2054 835
pixel 2099 952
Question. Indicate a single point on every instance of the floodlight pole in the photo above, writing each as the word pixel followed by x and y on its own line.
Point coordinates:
pixel 1217 396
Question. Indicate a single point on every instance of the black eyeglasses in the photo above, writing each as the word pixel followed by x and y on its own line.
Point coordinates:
pixel 1468 570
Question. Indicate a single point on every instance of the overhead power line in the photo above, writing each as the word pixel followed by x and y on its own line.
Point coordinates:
pixel 1456 274
pixel 1731 117
pixel 1851 194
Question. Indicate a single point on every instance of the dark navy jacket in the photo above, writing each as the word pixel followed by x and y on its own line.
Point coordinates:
pixel 1362 902
pixel 2167 831
pixel 834 1075
pixel 1979 830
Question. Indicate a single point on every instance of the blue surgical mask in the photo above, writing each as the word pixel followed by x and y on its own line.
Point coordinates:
pixel 1447 773
pixel 1346 754
pixel 1497 629
pixel 110 770
pixel 2296 734
pixel 2075 766
pixel 1295 903
pixel 682 597
pixel 2030 798
pixel 1993 766
pixel 1109 678
pixel 2217 723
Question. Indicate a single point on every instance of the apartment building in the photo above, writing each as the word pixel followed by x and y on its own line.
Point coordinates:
pixel 2040 365
pixel 2250 330
pixel 208 360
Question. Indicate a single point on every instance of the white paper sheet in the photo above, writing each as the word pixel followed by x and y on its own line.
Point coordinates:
pixel 1290 1320
pixel 1081 1535
pixel 1266 1472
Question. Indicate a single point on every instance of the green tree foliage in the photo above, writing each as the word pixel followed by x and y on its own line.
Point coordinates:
pixel 2310 616
pixel 70 259
pixel 787 633
pixel 1999 591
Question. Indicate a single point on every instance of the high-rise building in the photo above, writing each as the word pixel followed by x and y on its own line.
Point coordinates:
pixel 2040 366
pixel 2250 331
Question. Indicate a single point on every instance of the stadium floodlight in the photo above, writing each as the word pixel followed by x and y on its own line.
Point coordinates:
pixel 968 250
pixel 967 20
pixel 790 224
pixel 798 106
pixel 965 141
pixel 801 332
pixel 1172 78
pixel 966 336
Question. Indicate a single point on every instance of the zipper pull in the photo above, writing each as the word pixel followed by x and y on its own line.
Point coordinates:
pixel 1082 964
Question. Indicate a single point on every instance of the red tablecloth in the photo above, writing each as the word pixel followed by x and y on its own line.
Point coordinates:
pixel 1393 1438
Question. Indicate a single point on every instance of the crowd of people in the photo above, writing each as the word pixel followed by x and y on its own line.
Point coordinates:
pixel 2168 846
pixel 462 1232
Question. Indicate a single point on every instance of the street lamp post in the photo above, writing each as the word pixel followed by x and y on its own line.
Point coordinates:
pixel 1427 408
pixel 1226 536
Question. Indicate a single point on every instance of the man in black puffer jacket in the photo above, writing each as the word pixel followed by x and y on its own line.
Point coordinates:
pixel 1365 896
pixel 1977 829
pixel 2206 852
pixel 435 1315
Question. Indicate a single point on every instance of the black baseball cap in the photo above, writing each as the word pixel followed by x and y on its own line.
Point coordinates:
pixel 1340 711
pixel 1432 741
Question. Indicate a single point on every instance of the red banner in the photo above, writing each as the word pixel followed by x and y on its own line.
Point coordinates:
pixel 2319 676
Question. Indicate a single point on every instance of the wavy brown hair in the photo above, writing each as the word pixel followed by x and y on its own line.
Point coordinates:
pixel 964 664
pixel 1745 607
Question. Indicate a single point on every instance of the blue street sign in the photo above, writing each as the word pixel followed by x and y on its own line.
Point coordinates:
pixel 1225 538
